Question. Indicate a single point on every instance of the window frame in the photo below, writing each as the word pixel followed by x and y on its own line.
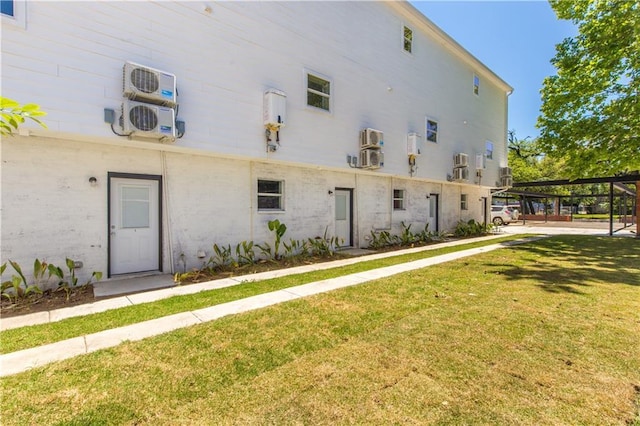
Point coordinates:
pixel 428 131
pixel 464 202
pixel 399 199
pixel 279 195
pixel 407 40
pixel 308 90
pixel 18 19
pixel 476 84
pixel 488 150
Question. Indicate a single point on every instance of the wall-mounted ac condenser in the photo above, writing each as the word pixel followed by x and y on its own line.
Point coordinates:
pixel 148 120
pixel 461 174
pixel 371 159
pixel 145 84
pixel 460 160
pixel 506 181
pixel 505 171
pixel 371 138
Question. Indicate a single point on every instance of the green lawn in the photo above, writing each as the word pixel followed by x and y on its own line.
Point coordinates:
pixel 28 337
pixel 543 333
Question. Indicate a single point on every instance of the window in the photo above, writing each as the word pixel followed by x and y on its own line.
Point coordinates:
pixel 489 150
pixel 318 92
pixel 270 194
pixel 13 13
pixel 476 85
pixel 432 130
pixel 463 202
pixel 7 8
pixel 407 40
pixel 398 199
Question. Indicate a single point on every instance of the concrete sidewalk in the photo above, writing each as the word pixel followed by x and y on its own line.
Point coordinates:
pixel 16 362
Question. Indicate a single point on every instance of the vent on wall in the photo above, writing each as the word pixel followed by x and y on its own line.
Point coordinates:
pixel 147 84
pixel 147 120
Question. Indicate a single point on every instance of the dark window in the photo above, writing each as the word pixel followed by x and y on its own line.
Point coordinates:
pixel 269 195
pixel 7 8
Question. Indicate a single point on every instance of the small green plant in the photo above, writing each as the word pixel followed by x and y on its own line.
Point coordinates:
pixel 296 248
pixel 471 228
pixel 71 282
pixel 13 115
pixel 279 229
pixel 18 287
pixel 380 239
pixel 407 237
pixel 222 258
pixel 245 253
pixel 324 246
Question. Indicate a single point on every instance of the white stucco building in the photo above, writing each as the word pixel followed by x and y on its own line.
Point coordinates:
pixel 126 203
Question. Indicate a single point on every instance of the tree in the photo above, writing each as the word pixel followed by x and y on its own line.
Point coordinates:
pixel 590 112
pixel 13 114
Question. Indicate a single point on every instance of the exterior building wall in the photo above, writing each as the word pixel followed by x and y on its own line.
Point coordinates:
pixel 68 58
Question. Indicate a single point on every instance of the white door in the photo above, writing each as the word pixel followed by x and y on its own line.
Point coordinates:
pixel 343 216
pixel 134 241
pixel 433 213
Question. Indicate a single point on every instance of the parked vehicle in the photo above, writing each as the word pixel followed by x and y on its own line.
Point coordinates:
pixel 501 215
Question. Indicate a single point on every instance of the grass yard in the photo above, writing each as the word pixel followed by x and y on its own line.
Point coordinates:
pixel 543 333
pixel 28 337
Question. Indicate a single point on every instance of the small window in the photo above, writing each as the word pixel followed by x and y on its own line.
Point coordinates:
pixel 13 13
pixel 270 195
pixel 489 150
pixel 432 130
pixel 7 8
pixel 318 92
pixel 407 41
pixel 463 202
pixel 476 85
pixel 398 199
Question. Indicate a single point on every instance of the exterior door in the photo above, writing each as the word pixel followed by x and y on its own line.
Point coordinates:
pixel 433 213
pixel 343 216
pixel 134 225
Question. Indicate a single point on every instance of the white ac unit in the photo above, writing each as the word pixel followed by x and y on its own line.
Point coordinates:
pixel 461 174
pixel 505 171
pixel 371 159
pixel 414 145
pixel 148 120
pixel 506 181
pixel 371 138
pixel 481 162
pixel 460 160
pixel 142 83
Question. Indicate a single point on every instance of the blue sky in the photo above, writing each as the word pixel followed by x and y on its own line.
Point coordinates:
pixel 515 39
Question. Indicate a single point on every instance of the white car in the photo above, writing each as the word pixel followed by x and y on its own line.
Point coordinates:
pixel 501 215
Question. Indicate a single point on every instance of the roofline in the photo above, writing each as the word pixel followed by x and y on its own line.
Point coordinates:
pixel 412 12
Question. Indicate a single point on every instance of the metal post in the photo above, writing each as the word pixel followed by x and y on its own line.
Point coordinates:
pixel 610 208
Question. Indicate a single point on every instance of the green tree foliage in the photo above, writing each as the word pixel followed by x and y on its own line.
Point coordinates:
pixel 13 114
pixel 590 113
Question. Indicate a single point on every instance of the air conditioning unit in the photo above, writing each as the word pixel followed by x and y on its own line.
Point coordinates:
pixel 147 84
pixel 481 162
pixel 371 159
pixel 461 174
pixel 506 181
pixel 460 160
pixel 149 121
pixel 505 171
pixel 414 144
pixel 371 138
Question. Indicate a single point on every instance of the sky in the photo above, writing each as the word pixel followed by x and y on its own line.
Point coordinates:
pixel 515 39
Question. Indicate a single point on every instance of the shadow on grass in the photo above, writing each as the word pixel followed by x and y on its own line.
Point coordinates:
pixel 563 264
